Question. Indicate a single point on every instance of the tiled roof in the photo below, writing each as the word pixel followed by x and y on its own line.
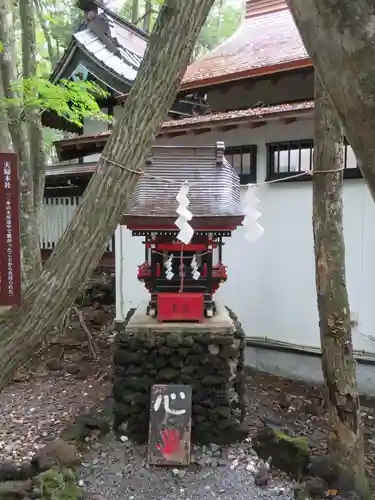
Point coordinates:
pixel 290 110
pixel 264 43
pixel 236 116
pixel 109 41
pixel 124 62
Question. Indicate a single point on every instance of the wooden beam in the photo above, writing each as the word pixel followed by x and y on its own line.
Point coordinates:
pixel 175 134
pixel 201 131
pixel 257 124
pixel 287 121
pixel 226 128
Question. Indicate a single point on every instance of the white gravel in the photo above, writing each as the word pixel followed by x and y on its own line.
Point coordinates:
pixel 118 470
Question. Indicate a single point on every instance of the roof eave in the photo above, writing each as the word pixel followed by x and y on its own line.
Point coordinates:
pixel 243 75
pixel 106 68
pixel 64 61
pixel 236 121
pixel 62 146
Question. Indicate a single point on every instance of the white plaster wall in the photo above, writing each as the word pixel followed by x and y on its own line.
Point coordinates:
pixel 299 366
pixel 271 283
pixel 91 126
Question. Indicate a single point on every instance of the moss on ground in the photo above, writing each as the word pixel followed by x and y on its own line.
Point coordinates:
pixel 301 442
pixel 56 484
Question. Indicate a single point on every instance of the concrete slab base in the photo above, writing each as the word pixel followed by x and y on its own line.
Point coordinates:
pixel 220 323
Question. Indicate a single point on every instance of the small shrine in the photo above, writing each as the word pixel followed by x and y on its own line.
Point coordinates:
pixel 183 277
pixel 186 202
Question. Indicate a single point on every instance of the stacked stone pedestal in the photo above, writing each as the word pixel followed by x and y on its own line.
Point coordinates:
pixel 208 356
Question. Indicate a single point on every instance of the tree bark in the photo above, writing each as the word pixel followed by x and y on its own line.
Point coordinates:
pixel 5 142
pixel 53 56
pixel 338 364
pixel 340 40
pixel 79 250
pixel 30 248
pixel 147 16
pixel 135 11
pixel 33 117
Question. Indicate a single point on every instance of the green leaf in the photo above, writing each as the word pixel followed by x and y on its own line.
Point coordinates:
pixel 73 101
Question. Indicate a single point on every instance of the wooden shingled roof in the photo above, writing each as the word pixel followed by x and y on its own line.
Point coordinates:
pixel 267 41
pixel 214 185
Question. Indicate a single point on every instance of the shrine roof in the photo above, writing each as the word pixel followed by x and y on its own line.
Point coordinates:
pixel 69 149
pixel 105 41
pixel 109 48
pixel 214 183
pixel 266 42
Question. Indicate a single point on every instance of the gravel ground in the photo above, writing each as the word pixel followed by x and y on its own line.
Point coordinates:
pixel 119 471
pixel 37 410
pixel 65 380
pixel 61 381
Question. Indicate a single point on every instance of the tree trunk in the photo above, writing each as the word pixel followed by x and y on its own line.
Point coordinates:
pixel 340 39
pixel 338 364
pixel 30 248
pixel 53 56
pixel 148 16
pixel 33 117
pixel 5 142
pixel 135 11
pixel 79 250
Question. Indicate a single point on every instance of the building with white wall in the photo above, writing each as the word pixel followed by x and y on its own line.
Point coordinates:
pixel 259 84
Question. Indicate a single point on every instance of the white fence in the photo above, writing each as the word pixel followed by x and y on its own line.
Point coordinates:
pixel 56 215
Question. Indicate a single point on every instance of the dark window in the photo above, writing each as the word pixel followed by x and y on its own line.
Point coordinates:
pixel 244 160
pixel 286 159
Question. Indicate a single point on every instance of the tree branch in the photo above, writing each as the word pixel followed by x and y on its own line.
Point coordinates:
pixel 47 35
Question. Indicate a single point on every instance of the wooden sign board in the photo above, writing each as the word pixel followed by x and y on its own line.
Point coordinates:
pixel 10 256
pixel 170 425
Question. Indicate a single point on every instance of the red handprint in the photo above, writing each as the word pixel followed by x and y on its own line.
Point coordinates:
pixel 171 447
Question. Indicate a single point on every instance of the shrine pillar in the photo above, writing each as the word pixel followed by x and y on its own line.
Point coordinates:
pixel 120 264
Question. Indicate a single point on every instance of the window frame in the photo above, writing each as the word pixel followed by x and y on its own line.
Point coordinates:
pixel 252 149
pixel 349 173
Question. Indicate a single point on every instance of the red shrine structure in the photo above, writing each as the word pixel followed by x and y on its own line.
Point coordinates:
pixel 182 278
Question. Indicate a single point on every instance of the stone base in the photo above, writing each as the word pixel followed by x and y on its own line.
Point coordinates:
pixel 208 356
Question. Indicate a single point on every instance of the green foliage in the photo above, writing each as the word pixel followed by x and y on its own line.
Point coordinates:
pixel 221 23
pixel 126 10
pixel 55 484
pixel 61 19
pixel 73 101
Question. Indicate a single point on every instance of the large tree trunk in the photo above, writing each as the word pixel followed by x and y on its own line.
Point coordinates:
pixel 79 250
pixel 338 364
pixel 34 122
pixel 340 39
pixel 30 249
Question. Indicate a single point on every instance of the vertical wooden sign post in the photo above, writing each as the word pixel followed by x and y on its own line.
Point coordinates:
pixel 10 258
pixel 170 425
